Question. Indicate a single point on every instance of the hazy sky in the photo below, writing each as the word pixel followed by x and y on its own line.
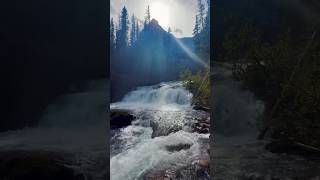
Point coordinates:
pixel 179 15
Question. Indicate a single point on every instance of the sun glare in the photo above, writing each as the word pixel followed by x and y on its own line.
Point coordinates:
pixel 160 12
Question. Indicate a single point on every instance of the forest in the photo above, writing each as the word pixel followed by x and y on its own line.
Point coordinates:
pixel 276 56
pixel 143 53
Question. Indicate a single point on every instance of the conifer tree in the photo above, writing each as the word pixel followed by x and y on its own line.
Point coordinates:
pixel 201 14
pixel 133 30
pixel 137 30
pixel 112 36
pixel 196 28
pixel 124 28
pixel 148 16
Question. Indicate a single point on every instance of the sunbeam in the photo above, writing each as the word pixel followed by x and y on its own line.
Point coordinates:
pixel 192 55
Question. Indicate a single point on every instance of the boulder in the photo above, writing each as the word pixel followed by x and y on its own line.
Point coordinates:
pixel 121 118
pixel 163 130
pixel 160 175
pixel 178 147
pixel 201 108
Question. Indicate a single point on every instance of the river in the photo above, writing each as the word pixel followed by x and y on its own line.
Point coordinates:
pixel 161 136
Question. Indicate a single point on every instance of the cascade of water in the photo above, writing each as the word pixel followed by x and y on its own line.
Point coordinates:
pixel 166 106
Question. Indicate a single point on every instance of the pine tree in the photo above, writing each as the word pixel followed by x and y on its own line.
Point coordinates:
pixel 117 44
pixel 207 19
pixel 133 30
pixel 201 14
pixel 148 16
pixel 196 28
pixel 117 32
pixel 112 36
pixel 137 30
pixel 123 28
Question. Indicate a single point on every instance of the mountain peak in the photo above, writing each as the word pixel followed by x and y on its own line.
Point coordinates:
pixel 154 22
pixel 154 26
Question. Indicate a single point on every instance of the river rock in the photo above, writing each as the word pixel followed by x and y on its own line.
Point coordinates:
pixel 194 171
pixel 202 108
pixel 158 130
pixel 178 147
pixel 121 118
pixel 202 126
pixel 161 175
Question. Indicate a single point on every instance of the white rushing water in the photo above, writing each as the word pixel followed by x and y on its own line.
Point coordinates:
pixel 134 151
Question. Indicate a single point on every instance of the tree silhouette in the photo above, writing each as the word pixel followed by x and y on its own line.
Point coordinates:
pixel 122 33
pixel 137 30
pixel 196 28
pixel 133 33
pixel 112 35
pixel 148 16
pixel 201 14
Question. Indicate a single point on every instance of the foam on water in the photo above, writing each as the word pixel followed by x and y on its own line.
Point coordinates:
pixel 152 153
pixel 164 96
pixel 134 151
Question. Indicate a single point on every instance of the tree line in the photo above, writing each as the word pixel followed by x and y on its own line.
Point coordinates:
pixel 284 73
pixel 198 83
pixel 126 32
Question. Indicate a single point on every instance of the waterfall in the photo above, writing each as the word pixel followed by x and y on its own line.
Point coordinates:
pixel 165 108
pixel 171 94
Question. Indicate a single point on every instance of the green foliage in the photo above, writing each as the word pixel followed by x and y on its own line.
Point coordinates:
pixel 265 68
pixel 198 84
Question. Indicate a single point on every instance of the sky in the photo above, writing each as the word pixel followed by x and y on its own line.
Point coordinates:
pixel 179 15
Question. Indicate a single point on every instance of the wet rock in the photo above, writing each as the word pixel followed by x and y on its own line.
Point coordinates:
pixel 201 108
pixel 202 125
pixel 204 163
pixel 198 170
pixel 201 130
pixel 121 118
pixel 178 147
pixel 161 175
pixel 163 130
pixel 194 171
pixel 156 175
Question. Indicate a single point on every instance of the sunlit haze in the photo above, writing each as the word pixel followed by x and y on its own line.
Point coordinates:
pixel 179 15
pixel 160 12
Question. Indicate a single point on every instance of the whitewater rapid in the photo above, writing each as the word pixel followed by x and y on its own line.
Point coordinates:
pixel 134 152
